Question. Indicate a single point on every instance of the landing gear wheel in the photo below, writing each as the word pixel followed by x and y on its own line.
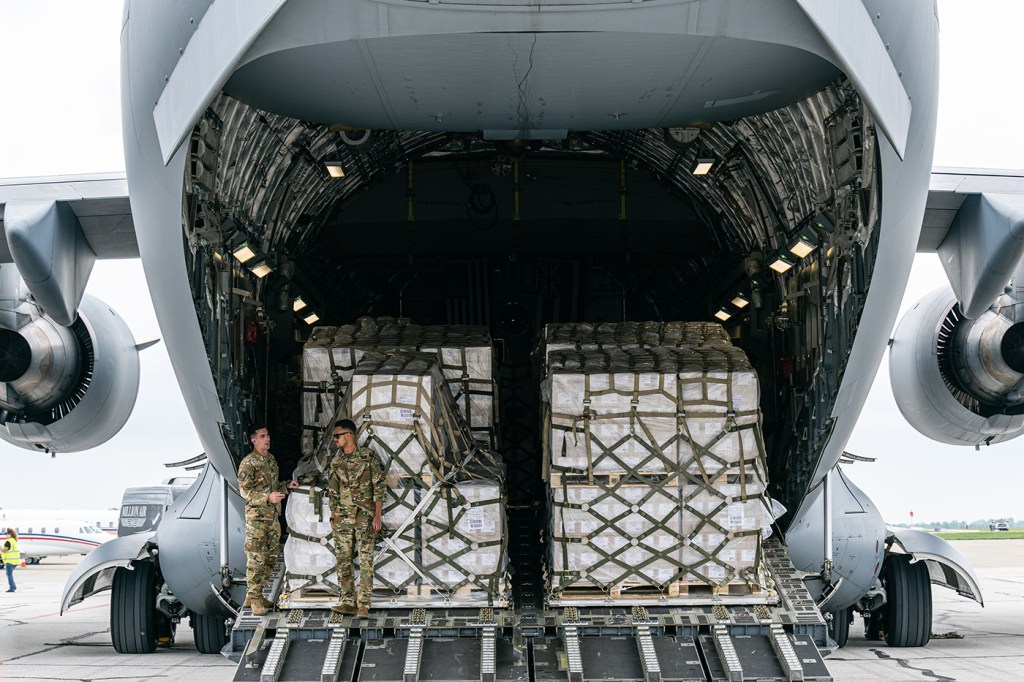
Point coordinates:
pixel 209 632
pixel 33 560
pixel 908 608
pixel 134 620
pixel 839 629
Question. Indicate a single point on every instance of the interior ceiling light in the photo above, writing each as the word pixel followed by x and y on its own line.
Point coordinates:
pixel 740 301
pixel 312 318
pixel 703 165
pixel 243 253
pixel 723 315
pixel 261 269
pixel 335 169
pixel 298 304
pixel 803 245
pixel 781 264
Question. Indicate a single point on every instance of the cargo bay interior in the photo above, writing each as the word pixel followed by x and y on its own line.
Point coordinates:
pixel 767 224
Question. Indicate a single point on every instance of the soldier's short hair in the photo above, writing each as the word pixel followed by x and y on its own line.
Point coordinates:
pixel 345 424
pixel 256 427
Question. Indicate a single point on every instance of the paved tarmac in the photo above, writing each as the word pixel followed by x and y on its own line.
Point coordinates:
pixel 971 643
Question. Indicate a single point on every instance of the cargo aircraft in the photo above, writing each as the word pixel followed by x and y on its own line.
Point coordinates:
pixel 507 163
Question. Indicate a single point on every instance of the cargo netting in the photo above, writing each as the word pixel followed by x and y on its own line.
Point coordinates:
pixel 446 502
pixel 655 464
pixel 464 357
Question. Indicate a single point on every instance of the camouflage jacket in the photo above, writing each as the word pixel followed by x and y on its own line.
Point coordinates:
pixel 356 482
pixel 257 478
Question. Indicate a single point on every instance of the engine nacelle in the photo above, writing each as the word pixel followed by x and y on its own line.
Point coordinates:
pixel 957 380
pixel 66 388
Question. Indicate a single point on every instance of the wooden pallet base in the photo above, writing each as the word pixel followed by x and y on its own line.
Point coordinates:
pixel 676 590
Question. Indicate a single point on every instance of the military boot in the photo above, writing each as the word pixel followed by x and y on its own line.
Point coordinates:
pixel 363 612
pixel 248 601
pixel 344 609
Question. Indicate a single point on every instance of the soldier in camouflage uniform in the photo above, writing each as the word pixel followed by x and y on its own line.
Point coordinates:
pixel 355 480
pixel 263 492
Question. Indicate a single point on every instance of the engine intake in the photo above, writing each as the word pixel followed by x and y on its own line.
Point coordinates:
pixel 957 380
pixel 70 388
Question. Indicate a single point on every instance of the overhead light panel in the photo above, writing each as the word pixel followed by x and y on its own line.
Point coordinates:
pixel 703 165
pixel 310 319
pixel 243 253
pixel 298 304
pixel 335 169
pixel 781 264
pixel 723 314
pixel 803 245
pixel 261 269
pixel 740 301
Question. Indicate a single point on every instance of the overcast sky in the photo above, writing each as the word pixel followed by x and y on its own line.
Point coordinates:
pixel 60 114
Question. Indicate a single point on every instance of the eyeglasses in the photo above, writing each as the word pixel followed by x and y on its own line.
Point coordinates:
pixel 343 433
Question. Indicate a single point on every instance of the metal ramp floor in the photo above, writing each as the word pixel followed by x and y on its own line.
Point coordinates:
pixel 709 642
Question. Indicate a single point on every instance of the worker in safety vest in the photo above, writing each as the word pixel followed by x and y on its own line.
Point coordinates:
pixel 11 557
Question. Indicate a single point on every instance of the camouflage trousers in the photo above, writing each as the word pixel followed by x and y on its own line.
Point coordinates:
pixel 350 538
pixel 262 545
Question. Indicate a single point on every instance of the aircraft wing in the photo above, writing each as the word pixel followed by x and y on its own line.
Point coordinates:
pixel 99 200
pixel 946 194
pixel 974 220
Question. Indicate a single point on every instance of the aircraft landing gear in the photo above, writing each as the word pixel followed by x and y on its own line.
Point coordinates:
pixel 210 633
pixel 135 623
pixel 839 628
pixel 907 620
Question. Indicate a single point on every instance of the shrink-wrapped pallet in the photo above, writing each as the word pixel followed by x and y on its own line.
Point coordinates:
pixel 310 564
pixel 649 410
pixel 656 467
pixel 463 538
pixel 614 534
pixel 465 359
pixel 391 570
pixel 396 402
pixel 309 554
pixel 625 335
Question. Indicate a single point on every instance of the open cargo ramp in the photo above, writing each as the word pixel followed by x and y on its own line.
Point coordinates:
pixel 734 642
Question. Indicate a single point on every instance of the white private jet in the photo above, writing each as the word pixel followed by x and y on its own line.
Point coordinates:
pixel 45 533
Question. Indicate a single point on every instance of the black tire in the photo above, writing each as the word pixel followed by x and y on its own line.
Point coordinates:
pixel 908 608
pixel 839 629
pixel 134 621
pixel 210 633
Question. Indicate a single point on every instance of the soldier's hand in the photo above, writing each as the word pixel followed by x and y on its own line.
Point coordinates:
pixel 293 484
pixel 377 524
pixel 275 497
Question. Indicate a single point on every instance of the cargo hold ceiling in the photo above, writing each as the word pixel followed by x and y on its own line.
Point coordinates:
pixel 772 172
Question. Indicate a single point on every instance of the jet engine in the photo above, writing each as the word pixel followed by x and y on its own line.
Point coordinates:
pixel 65 388
pixel 959 380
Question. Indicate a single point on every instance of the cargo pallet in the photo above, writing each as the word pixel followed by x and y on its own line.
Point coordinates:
pixel 724 640
pixel 679 592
